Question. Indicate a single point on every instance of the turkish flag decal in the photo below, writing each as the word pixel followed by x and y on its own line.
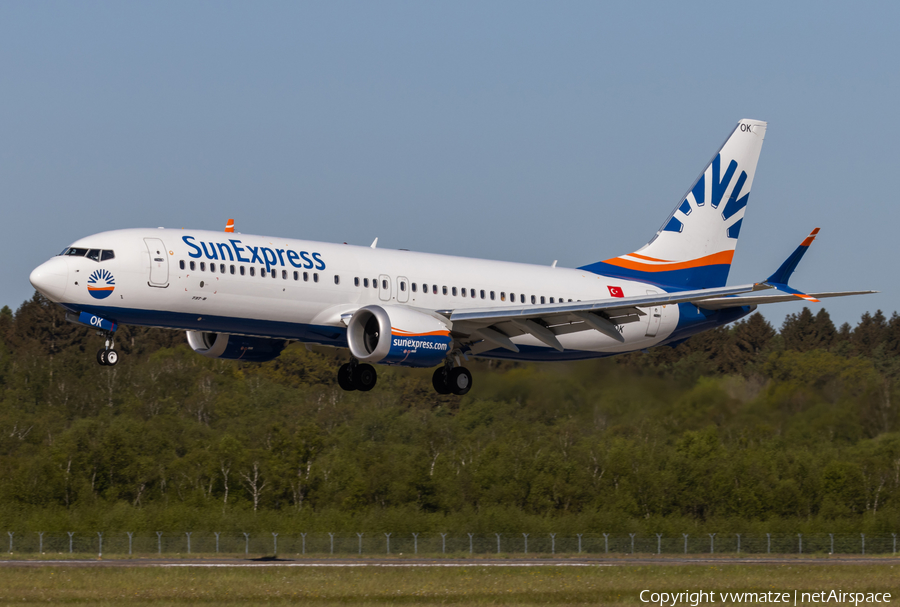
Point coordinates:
pixel 616 291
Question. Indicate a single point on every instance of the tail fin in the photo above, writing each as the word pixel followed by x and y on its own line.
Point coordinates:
pixel 694 247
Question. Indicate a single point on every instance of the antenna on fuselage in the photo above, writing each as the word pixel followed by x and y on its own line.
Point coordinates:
pixel 374 244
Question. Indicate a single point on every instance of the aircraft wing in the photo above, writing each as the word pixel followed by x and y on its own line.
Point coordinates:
pixel 495 326
pixel 720 303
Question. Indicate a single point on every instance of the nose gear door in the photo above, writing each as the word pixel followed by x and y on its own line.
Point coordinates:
pixel 159 263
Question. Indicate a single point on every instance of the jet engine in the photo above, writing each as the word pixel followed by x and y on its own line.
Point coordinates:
pixel 395 335
pixel 235 347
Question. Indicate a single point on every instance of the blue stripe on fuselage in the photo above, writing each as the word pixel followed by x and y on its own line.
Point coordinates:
pixel 334 336
pixel 704 277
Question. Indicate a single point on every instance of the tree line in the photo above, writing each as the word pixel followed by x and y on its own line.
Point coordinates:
pixel 744 428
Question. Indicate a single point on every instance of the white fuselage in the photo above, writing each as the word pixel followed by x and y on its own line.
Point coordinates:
pixel 316 285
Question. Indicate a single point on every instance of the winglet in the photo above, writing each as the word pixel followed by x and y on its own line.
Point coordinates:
pixel 229 227
pixel 781 276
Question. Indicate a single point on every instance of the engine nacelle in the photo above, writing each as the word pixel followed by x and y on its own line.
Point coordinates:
pixel 395 335
pixel 235 347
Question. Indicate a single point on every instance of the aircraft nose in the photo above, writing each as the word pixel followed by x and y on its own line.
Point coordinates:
pixel 51 277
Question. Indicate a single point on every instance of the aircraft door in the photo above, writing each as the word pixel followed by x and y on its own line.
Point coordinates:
pixel 655 316
pixel 402 289
pixel 384 287
pixel 159 263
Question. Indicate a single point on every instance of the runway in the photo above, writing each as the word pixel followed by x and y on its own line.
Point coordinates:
pixel 419 563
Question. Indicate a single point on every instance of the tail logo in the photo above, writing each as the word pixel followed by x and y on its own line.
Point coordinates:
pixel 101 284
pixel 713 194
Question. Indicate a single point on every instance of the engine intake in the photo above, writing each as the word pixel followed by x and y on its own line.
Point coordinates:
pixel 394 335
pixel 235 347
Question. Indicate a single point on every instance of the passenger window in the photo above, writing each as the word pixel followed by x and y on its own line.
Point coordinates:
pixel 94 254
pixel 366 282
pixel 181 264
pixel 463 292
pixel 232 269
pixel 551 300
pixel 570 301
pixel 356 281
pixel 315 277
pixel 284 274
pixel 242 270
pixel 306 277
pixel 212 268
pixel 402 285
pixel 193 266
pixel 533 299
pixel 502 296
pixel 221 268
pixel 203 266
pixel 472 293
pixel 384 285
pixel 414 287
pixel 274 274
pixel 522 298
pixel 542 299
pixel 296 275
pixel 337 279
pixel 104 255
pixel 434 289
pixel 374 283
pixel 492 296
pixel 252 271
pixel 424 287
pixel 482 294
pixel 512 297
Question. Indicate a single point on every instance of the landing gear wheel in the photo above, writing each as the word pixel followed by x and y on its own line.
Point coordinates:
pixel 364 377
pixel 459 380
pixel 439 381
pixel 112 357
pixel 345 377
pixel 101 357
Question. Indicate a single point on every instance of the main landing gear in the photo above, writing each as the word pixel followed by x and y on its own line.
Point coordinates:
pixel 108 356
pixel 451 380
pixel 355 376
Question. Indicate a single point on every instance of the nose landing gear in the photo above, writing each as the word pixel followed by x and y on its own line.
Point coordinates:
pixel 355 376
pixel 108 356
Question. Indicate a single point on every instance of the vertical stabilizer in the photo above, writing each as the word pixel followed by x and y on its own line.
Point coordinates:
pixel 695 245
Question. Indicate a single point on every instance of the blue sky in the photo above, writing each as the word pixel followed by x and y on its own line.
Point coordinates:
pixel 517 131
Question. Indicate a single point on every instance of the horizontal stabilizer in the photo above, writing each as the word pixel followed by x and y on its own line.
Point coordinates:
pixel 720 303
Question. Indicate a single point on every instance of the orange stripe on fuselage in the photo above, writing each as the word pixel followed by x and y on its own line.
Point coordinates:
pixel 100 288
pixel 721 258
pixel 639 256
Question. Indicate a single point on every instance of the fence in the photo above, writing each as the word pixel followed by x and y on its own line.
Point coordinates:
pixel 319 544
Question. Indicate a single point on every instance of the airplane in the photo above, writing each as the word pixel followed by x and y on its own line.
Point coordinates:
pixel 245 297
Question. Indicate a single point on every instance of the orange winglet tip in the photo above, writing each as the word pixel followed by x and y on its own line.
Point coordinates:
pixel 229 227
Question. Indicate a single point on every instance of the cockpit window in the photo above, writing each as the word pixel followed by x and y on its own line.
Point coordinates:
pixel 107 255
pixel 74 252
pixel 94 254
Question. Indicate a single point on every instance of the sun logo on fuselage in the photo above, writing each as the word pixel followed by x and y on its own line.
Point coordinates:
pixel 101 284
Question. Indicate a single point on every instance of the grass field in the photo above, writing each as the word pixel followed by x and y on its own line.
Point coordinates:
pixel 423 586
